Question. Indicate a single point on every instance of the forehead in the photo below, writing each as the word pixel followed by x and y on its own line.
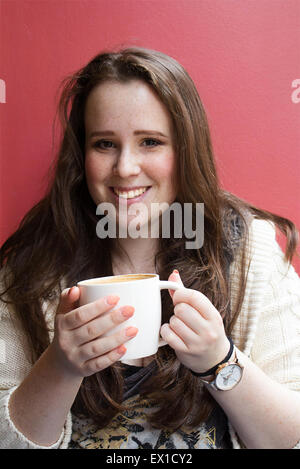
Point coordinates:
pixel 135 102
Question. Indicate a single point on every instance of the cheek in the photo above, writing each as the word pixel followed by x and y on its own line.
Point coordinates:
pixel 95 169
pixel 162 168
pixel 166 173
pixel 96 172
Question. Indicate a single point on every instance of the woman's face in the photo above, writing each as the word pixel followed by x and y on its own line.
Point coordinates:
pixel 129 147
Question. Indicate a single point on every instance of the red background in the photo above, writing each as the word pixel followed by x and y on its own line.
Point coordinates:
pixel 242 54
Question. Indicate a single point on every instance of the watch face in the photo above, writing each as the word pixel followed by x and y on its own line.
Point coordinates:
pixel 228 377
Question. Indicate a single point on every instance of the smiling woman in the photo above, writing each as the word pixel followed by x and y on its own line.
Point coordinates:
pixel 134 129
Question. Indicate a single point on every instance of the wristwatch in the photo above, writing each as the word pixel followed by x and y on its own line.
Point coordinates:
pixel 227 375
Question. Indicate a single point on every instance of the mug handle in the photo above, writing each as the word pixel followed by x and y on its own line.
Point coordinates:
pixel 163 284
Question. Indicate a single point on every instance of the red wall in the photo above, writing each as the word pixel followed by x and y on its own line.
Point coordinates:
pixel 242 54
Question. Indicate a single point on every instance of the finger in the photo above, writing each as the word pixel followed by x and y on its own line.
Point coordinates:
pixel 103 345
pixel 191 317
pixel 174 277
pixel 88 312
pixel 187 335
pixel 102 324
pixel 172 338
pixel 68 300
pixel 198 301
pixel 100 363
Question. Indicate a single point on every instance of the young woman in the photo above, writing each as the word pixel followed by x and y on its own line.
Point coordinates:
pixel 134 129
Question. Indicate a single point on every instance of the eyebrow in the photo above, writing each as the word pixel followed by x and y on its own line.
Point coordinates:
pixel 136 132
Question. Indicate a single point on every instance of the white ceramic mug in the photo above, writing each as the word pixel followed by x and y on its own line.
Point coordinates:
pixel 142 291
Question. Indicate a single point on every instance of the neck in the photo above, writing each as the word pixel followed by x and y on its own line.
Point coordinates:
pixel 134 255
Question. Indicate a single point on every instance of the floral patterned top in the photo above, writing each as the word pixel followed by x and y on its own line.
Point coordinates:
pixel 131 430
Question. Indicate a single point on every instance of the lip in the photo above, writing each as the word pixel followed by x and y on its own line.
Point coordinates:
pixel 129 188
pixel 139 198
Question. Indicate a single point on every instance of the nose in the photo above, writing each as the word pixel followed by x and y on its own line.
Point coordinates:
pixel 127 164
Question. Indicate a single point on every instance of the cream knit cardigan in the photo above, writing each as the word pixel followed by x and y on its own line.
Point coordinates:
pixel 268 331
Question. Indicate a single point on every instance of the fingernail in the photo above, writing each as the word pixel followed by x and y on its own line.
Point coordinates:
pixel 175 271
pixel 127 311
pixel 131 331
pixel 112 299
pixel 121 350
pixel 71 289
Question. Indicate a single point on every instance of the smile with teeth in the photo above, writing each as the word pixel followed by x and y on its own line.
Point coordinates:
pixel 129 194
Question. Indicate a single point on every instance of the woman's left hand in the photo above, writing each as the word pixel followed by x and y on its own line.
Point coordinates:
pixel 195 331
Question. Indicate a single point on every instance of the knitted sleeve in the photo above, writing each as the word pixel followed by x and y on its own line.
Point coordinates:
pixel 14 366
pixel 268 328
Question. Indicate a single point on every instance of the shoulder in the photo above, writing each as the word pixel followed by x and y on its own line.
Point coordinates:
pixel 264 254
pixel 258 246
pixel 264 229
pixel 262 237
pixel 270 283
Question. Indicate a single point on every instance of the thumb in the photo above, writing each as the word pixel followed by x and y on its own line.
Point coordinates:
pixel 175 277
pixel 68 300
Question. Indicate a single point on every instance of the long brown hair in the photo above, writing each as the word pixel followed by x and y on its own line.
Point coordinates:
pixel 56 241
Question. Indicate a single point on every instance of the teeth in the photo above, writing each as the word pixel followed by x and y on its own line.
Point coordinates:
pixel 130 194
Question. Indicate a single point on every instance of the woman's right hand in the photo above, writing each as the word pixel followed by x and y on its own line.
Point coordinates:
pixel 78 342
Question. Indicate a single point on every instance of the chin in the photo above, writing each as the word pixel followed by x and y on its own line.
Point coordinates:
pixel 133 223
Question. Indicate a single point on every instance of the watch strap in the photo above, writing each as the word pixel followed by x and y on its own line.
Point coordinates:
pixel 212 370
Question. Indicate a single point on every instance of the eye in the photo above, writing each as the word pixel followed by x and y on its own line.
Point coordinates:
pixel 103 144
pixel 151 142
